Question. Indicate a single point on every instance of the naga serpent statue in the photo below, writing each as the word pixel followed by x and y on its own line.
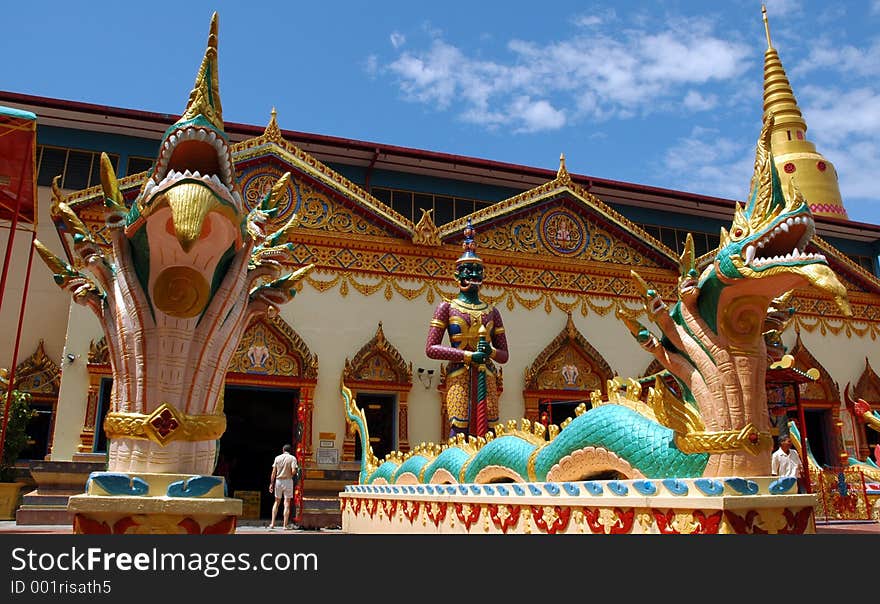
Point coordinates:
pixel 190 268
pixel 711 344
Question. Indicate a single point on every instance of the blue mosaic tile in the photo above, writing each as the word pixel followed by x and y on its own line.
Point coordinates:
pixel 502 490
pixel 462 489
pixel 488 489
pixel 552 488
pixel 743 486
pixel 571 489
pixel 534 490
pixel 475 489
pixel 709 486
pixel 121 484
pixel 593 487
pixel 420 489
pixel 617 487
pixel 645 487
pixel 783 485
pixel 675 486
pixel 518 489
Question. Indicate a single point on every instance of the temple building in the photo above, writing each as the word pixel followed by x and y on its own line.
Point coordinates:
pixel 383 225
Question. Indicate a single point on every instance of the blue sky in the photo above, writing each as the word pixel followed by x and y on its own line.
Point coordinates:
pixel 665 94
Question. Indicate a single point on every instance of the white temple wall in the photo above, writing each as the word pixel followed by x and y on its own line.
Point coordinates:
pixel 45 315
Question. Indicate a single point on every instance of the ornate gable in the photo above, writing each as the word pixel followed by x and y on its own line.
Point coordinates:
pixel 569 362
pixel 854 276
pixel 322 199
pixel 38 374
pixel 867 387
pixel 272 347
pixel 823 389
pixel 564 220
pixel 378 361
pixel 99 354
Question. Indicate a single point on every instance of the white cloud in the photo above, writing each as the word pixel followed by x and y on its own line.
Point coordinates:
pixel 587 20
pixel 835 116
pixel 710 164
pixel 536 116
pixel 595 76
pixel 371 65
pixel 696 101
pixel 783 7
pixel 847 60
pixel 397 39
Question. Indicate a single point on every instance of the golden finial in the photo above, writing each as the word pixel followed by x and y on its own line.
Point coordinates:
pixel 205 96
pixel 562 174
pixel 426 232
pixel 766 25
pixel 272 131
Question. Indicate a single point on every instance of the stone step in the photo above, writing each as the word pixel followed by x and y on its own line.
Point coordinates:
pixel 310 504
pixel 38 499
pixel 27 515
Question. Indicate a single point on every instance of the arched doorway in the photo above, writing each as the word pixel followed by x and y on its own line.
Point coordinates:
pixel 39 376
pixel 380 380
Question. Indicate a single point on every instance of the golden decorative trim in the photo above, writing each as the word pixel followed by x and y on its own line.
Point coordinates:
pixel 272 131
pixel 99 353
pixel 263 146
pixel 725 441
pixel 164 425
pixel 426 232
pixel 570 336
pixel 867 387
pixel 462 305
pixel 823 387
pixel 285 352
pixel 38 374
pixel 393 368
pixel 561 184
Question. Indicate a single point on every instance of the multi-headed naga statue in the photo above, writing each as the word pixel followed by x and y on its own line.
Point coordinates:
pixel 190 267
pixel 711 344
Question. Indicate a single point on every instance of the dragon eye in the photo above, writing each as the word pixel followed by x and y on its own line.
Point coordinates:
pixel 738 233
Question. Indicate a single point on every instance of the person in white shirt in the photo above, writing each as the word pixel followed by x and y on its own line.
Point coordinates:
pixel 786 461
pixel 281 484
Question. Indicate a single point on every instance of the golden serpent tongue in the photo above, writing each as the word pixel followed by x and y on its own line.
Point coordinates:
pixel 822 277
pixel 190 203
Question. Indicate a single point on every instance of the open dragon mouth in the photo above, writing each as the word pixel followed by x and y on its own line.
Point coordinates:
pixel 194 153
pixel 783 244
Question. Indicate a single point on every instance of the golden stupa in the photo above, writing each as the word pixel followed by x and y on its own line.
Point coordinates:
pixel 796 157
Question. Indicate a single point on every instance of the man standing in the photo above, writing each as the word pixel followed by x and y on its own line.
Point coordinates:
pixel 281 484
pixel 476 340
pixel 786 461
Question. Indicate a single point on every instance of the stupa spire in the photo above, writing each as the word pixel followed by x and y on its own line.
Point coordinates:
pixel 795 156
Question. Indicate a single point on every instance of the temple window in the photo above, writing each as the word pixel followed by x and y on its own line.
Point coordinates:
pixel 78 169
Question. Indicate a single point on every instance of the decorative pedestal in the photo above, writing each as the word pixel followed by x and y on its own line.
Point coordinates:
pixel 671 506
pixel 9 496
pixel 116 503
pixel 56 482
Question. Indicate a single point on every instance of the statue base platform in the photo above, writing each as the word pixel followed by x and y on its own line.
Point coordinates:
pixel 138 503
pixel 650 506
pixel 56 482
